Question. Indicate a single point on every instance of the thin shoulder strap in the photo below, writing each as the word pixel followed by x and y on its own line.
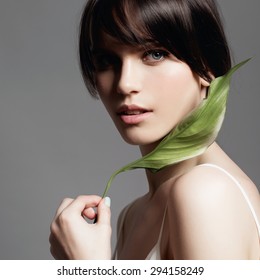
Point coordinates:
pixel 242 191
pixel 161 230
pixel 155 253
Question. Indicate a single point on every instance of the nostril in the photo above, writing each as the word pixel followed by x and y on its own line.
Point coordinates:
pixel 129 78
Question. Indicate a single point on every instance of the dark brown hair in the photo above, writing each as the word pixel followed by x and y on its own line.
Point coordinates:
pixel 190 29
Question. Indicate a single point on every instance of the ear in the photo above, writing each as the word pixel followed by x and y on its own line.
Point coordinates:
pixel 204 84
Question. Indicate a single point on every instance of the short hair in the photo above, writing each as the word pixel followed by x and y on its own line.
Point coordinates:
pixel 190 29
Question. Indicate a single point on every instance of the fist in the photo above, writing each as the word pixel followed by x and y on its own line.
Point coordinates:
pixel 72 237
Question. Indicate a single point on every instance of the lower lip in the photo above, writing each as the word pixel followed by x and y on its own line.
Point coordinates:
pixel 134 119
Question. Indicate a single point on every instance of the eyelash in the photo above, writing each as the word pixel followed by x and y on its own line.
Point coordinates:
pixel 104 62
pixel 162 53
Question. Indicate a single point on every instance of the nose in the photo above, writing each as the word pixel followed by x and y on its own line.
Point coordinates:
pixel 129 77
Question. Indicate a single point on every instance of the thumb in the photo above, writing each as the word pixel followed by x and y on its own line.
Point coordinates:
pixel 103 211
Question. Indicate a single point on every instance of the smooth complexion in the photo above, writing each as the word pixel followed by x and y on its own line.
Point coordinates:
pixel 146 91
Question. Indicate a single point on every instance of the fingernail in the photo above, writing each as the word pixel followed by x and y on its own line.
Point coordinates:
pixel 107 201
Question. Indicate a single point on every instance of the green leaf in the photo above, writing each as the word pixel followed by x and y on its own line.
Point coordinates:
pixel 192 136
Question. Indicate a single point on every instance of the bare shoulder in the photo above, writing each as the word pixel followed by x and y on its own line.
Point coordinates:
pixel 208 216
pixel 202 187
pixel 210 185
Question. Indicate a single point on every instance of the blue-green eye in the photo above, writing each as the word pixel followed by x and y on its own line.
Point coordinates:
pixel 104 62
pixel 155 55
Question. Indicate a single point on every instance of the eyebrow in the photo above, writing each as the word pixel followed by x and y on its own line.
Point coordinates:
pixel 97 51
pixel 147 45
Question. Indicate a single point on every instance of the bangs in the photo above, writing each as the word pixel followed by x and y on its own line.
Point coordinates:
pixel 189 29
pixel 122 20
pixel 134 23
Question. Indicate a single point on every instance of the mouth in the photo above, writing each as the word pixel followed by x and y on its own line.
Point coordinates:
pixel 133 114
pixel 130 110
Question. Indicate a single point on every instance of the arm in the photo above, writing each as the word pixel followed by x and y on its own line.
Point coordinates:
pixel 72 237
pixel 207 217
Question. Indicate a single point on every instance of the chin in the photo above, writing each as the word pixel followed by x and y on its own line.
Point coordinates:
pixel 137 140
pixel 132 141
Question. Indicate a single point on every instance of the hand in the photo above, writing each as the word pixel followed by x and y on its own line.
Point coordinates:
pixel 72 237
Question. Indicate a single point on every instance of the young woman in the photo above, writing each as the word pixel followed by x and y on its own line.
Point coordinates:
pixel 151 63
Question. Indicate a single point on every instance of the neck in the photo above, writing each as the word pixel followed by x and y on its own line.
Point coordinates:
pixel 167 174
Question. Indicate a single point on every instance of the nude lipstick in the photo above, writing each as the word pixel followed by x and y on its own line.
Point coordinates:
pixel 133 114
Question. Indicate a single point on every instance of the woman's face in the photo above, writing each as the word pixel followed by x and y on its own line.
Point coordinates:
pixel 146 90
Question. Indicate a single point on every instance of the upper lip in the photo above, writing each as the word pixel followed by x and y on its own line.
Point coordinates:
pixel 126 108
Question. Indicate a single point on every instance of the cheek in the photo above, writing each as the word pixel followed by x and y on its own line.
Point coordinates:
pixel 104 83
pixel 183 76
pixel 178 92
pixel 178 83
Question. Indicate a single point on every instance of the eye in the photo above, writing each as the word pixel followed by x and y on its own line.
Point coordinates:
pixel 104 62
pixel 155 56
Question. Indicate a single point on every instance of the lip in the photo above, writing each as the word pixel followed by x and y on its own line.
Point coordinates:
pixel 125 113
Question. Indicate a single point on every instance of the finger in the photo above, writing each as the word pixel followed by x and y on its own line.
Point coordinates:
pixel 104 213
pixel 64 204
pixel 83 202
pixel 89 213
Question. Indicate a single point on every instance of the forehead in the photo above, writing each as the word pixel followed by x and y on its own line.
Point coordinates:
pixel 106 41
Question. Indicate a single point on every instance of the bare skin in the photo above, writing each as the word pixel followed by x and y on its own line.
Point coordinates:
pixel 146 95
pixel 72 238
pixel 206 215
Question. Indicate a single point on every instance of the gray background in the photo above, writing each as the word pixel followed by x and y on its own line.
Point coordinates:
pixel 56 142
